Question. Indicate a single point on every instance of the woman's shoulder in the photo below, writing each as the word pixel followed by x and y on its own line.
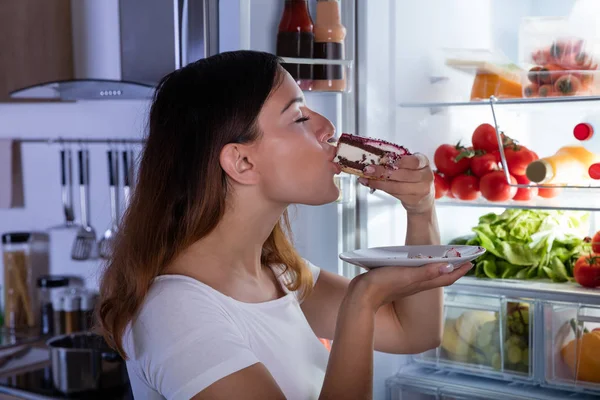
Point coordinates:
pixel 176 309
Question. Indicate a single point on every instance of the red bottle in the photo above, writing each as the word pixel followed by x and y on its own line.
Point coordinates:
pixel 295 39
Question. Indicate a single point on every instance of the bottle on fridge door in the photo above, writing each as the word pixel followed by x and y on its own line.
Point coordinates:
pixel 329 44
pixel 295 39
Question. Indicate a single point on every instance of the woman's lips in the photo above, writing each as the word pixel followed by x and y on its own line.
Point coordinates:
pixel 338 168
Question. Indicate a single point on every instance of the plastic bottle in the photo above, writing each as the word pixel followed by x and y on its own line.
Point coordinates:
pixel 329 44
pixel 587 133
pixel 568 166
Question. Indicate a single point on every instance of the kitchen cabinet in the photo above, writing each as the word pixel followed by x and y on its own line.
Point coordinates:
pixel 35 43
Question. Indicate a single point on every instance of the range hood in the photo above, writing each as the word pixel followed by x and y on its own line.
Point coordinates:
pixel 122 48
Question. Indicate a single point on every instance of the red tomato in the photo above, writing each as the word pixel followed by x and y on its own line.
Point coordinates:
pixel 465 187
pixel 517 159
pixel 483 164
pixel 525 194
pixel 496 154
pixel 587 270
pixel 441 185
pixel 596 243
pixel 495 188
pixel 484 138
pixel 548 193
pixel 445 160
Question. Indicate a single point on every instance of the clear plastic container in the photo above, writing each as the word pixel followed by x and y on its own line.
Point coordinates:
pixel 559 61
pixel 486 336
pixel 25 256
pixel 572 346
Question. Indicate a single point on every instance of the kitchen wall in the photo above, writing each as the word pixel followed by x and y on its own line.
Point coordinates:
pixel 41 168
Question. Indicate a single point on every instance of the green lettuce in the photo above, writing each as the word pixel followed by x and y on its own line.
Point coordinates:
pixel 529 244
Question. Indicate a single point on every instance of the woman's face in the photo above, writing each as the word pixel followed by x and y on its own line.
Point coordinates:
pixel 293 157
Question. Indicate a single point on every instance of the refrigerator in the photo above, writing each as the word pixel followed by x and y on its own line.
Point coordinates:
pixel 401 90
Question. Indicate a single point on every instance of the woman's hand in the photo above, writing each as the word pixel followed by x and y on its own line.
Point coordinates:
pixel 411 182
pixel 383 285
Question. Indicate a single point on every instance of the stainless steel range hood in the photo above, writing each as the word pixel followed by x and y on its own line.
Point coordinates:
pixel 150 38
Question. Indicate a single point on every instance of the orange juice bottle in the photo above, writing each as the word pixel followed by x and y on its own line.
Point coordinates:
pixel 569 165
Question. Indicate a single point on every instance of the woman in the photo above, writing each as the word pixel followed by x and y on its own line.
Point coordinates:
pixel 205 295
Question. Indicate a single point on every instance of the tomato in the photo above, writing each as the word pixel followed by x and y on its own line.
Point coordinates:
pixel 465 187
pixel 483 164
pixel 441 185
pixel 517 159
pixel 587 270
pixel 496 154
pixel 494 187
pixel 525 194
pixel 484 138
pixel 445 160
pixel 596 243
pixel 548 193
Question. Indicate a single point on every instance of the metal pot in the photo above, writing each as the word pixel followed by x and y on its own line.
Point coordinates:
pixel 84 362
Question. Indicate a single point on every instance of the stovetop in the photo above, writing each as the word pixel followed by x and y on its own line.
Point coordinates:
pixel 37 385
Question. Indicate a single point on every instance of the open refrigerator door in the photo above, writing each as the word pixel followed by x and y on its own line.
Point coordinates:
pixel 430 74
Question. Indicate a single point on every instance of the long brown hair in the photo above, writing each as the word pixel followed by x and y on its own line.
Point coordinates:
pixel 181 190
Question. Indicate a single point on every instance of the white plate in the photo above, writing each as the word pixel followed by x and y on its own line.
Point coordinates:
pixel 404 256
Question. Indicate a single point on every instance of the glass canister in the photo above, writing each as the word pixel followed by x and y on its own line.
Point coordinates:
pixel 25 258
pixel 47 285
pixel 72 308
pixel 88 302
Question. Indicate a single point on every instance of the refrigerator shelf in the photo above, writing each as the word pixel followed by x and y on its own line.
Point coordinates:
pixel 519 102
pixel 541 290
pixel 575 199
pixel 423 383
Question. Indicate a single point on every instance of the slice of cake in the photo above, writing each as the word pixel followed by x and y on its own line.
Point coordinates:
pixel 354 153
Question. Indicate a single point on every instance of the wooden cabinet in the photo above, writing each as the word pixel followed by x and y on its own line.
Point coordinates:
pixel 35 43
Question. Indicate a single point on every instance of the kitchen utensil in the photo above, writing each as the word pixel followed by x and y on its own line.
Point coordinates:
pixel 127 176
pixel 85 241
pixel 84 362
pixel 66 183
pixel 113 181
pixel 411 256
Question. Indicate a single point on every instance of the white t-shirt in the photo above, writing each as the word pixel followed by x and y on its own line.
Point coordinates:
pixel 189 335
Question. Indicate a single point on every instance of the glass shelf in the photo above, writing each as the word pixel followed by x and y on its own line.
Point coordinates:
pixel 523 101
pixel 569 199
pixel 317 61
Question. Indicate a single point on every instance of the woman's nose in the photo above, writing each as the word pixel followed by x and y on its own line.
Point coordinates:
pixel 326 130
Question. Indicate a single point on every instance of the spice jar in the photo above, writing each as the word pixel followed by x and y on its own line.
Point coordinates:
pixel 25 256
pixel 88 301
pixel 47 285
pixel 58 308
pixel 72 304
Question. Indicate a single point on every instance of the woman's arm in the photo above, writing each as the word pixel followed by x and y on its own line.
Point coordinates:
pixel 420 315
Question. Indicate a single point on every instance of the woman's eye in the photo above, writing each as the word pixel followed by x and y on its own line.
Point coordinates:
pixel 301 120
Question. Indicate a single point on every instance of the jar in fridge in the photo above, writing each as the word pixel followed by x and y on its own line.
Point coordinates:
pixel 48 284
pixel 25 256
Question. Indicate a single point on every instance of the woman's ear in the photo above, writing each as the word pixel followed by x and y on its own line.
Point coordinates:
pixel 237 163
